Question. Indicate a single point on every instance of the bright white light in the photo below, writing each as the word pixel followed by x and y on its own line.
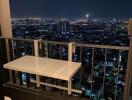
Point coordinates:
pixel 23 54
pixel 114 59
pixel 87 15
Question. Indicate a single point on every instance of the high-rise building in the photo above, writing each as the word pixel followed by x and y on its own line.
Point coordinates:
pixel 63 27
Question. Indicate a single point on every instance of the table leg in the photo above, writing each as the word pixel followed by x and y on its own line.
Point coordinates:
pixel 14 77
pixel 38 81
pixel 80 78
pixel 20 78
pixel 10 75
pixel 28 79
pixel 69 86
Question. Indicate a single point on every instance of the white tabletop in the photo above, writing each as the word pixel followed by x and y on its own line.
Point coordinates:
pixel 44 66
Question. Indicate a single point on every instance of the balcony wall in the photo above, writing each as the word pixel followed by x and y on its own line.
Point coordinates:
pixel 5 18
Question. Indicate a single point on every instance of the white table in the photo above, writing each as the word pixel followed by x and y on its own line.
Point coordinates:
pixel 63 70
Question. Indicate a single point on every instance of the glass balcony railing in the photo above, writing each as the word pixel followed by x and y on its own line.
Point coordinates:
pixel 102 75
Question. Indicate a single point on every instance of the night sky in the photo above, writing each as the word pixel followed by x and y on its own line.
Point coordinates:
pixel 71 8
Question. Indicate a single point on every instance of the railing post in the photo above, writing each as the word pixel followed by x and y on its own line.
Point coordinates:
pixel 7 50
pixel 46 49
pixel 8 58
pixel 129 64
pixel 131 85
pixel 71 49
pixel 36 48
pixel 130 27
pixel 130 58
pixel 37 55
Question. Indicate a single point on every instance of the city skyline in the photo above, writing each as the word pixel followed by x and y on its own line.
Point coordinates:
pixel 71 8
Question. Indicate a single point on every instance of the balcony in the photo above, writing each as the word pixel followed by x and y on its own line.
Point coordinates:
pixel 104 73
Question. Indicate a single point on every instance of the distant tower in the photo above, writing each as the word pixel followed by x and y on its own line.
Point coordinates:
pixel 114 20
pixel 27 21
pixel 88 18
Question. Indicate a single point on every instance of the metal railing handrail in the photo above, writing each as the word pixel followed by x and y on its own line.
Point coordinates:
pixel 102 46
pixel 76 44
pixel 54 42
pixel 17 39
